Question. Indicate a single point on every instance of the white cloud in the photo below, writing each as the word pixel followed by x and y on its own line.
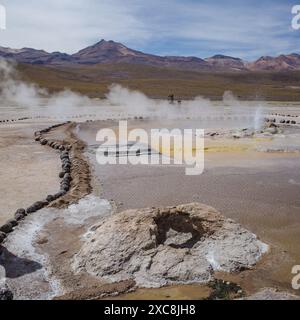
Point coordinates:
pixel 64 25
pixel 248 30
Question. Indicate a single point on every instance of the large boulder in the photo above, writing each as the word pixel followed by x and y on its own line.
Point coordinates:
pixel 155 247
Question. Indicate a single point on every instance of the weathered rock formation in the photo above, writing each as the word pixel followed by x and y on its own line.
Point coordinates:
pixel 155 247
pixel 272 294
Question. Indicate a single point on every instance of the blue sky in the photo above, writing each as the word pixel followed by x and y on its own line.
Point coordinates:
pixel 246 29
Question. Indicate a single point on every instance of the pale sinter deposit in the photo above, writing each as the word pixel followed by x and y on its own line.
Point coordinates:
pixel 156 247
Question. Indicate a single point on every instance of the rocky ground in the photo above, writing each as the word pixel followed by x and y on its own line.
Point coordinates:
pixel 157 247
pixel 272 294
pixel 75 170
pixel 75 249
pixel 28 170
pixel 23 266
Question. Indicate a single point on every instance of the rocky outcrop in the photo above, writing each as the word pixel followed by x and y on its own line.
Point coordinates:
pixel 272 294
pixel 156 247
pixel 289 62
pixel 221 62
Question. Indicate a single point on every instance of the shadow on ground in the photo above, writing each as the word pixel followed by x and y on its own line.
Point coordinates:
pixel 16 267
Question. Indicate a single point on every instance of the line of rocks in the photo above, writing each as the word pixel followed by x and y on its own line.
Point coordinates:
pixel 13 120
pixel 288 121
pixel 65 184
pixel 4 121
pixel 285 115
pixel 282 121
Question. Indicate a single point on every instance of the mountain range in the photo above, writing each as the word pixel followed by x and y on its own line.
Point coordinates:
pixel 110 52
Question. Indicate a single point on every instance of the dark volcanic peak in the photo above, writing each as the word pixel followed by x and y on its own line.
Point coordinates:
pixel 114 52
pixel 105 52
pixel 110 52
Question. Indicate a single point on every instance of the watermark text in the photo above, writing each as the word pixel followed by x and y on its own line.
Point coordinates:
pixel 152 147
pixel 296 18
pixel 296 278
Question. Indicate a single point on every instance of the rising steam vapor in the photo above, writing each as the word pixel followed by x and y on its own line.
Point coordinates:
pixel 16 93
pixel 120 103
pixel 136 103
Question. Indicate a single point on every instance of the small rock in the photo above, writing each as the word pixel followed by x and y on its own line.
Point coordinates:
pixel 6 228
pixel 59 194
pixel 67 176
pixel 21 211
pixel 65 187
pixel 64 155
pixel 44 142
pixel 36 206
pixel 19 216
pixel 50 198
pixel 13 222
pixel 2 236
pixel 31 209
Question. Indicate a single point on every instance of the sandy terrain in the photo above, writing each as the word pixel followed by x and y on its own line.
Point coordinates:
pixel 35 257
pixel 28 170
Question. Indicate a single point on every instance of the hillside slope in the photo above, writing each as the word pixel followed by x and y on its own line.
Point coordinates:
pixel 94 81
pixel 110 52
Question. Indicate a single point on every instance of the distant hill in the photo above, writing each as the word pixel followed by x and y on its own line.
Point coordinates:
pixel 289 62
pixel 33 56
pixel 156 82
pixel 113 52
pixel 92 70
pixel 110 52
pixel 226 63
